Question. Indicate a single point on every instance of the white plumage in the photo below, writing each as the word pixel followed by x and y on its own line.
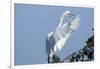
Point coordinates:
pixel 56 40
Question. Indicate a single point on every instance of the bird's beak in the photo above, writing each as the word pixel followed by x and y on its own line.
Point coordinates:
pixel 70 14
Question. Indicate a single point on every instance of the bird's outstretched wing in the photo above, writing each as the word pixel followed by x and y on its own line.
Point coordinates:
pixel 74 24
pixel 65 31
pixel 67 27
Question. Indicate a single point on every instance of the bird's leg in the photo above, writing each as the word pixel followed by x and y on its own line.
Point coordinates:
pixel 50 57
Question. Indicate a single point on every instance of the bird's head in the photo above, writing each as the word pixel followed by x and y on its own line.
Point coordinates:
pixel 67 13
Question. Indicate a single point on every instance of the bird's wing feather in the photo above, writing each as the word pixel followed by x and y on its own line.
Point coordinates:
pixel 66 27
pixel 74 23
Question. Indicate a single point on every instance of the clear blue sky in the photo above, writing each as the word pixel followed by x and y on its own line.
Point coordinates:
pixel 34 22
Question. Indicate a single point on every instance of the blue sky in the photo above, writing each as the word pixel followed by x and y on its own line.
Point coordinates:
pixel 34 22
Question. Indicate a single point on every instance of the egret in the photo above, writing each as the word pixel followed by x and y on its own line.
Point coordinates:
pixel 56 40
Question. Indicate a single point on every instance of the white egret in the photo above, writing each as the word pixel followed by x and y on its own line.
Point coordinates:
pixel 56 40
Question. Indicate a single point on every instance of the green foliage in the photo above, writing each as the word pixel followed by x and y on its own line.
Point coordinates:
pixel 85 54
pixel 56 59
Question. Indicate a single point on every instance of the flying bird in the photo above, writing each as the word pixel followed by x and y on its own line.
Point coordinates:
pixel 56 40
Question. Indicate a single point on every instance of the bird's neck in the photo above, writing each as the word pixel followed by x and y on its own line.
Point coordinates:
pixel 61 20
